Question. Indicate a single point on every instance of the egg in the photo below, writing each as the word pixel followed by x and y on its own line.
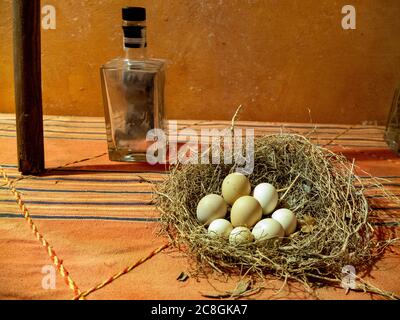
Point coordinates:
pixel 211 207
pixel 287 219
pixel 245 212
pixel 267 195
pixel 240 235
pixel 220 228
pixel 234 186
pixel 268 229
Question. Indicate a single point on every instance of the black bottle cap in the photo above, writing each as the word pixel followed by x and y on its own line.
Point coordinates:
pixel 134 14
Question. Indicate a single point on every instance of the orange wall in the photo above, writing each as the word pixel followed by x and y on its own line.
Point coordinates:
pixel 277 58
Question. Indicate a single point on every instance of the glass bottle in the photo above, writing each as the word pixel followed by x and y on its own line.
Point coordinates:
pixel 133 92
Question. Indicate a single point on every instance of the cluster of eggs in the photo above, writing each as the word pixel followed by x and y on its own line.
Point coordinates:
pixel 246 215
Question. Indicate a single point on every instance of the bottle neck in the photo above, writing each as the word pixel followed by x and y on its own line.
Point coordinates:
pixel 135 53
pixel 135 40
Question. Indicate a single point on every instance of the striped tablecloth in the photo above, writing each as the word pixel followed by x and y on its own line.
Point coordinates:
pixel 99 218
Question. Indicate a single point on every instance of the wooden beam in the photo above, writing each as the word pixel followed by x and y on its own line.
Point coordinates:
pixel 28 86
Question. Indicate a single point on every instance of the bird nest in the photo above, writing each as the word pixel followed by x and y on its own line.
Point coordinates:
pixel 319 186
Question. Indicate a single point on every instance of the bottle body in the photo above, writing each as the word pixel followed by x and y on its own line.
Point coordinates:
pixel 133 95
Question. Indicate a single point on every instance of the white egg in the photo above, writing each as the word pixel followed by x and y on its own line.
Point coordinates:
pixel 240 235
pixel 267 195
pixel 268 229
pixel 220 228
pixel 211 207
pixel 287 219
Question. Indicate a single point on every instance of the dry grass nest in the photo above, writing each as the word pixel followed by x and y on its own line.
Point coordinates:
pixel 325 194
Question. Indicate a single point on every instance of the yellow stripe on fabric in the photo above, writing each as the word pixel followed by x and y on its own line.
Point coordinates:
pixel 50 251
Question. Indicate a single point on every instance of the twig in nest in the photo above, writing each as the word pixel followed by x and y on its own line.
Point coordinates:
pixel 234 118
pixel 290 187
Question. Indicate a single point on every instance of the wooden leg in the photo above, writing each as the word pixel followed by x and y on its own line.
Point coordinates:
pixel 28 86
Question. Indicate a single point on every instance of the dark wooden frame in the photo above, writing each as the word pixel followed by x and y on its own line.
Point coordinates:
pixel 28 86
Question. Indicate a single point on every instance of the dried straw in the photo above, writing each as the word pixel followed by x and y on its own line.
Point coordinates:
pixel 319 186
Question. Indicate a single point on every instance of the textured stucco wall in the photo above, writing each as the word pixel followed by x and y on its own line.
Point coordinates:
pixel 278 58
